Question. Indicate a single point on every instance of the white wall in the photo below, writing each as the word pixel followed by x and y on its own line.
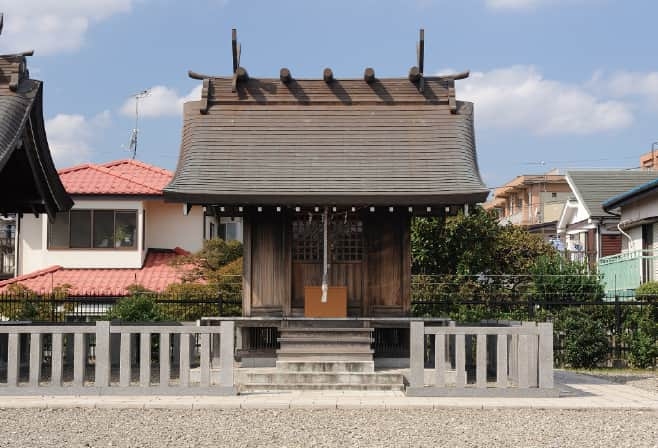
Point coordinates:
pixel 167 227
pixel 34 253
pixel 645 208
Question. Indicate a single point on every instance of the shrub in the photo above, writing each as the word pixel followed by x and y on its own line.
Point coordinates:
pixel 136 308
pixel 586 342
pixel 555 278
pixel 647 291
pixel 641 338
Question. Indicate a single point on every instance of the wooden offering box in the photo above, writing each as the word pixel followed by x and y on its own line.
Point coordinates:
pixel 335 306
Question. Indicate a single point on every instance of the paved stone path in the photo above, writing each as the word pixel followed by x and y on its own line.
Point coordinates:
pixel 577 392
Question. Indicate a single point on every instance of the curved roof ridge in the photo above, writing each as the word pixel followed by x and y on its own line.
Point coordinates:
pixel 71 169
pixel 122 177
pixel 31 275
pixel 140 164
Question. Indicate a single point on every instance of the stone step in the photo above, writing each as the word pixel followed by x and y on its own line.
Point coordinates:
pixel 326 339
pixel 327 329
pixel 277 377
pixel 332 347
pixel 325 350
pixel 247 387
pixel 311 357
pixel 337 366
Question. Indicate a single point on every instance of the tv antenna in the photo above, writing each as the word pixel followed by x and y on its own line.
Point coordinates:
pixel 132 144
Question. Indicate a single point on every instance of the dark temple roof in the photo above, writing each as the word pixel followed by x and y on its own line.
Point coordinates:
pixel 28 178
pixel 340 142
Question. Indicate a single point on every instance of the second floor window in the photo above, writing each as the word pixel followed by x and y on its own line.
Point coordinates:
pixel 98 229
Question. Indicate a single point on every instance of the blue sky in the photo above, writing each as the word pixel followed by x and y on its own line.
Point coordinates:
pixel 556 83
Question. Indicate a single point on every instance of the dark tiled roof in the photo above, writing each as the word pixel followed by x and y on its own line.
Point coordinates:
pixel 593 188
pixel 29 174
pixel 343 142
pixel 634 194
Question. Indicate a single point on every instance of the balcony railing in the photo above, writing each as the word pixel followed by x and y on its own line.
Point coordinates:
pixel 628 270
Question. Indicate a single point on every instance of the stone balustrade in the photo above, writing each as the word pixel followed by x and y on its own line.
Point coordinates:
pixel 509 360
pixel 114 344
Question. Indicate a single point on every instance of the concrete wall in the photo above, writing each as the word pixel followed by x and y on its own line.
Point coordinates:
pixel 168 227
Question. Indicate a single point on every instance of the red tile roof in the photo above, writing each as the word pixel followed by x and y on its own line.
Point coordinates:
pixel 156 274
pixel 122 177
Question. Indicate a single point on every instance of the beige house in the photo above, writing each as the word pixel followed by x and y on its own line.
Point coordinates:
pixel 531 200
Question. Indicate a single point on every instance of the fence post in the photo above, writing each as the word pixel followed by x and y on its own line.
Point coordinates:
pixel 220 302
pixel 145 359
pixel 226 350
pixel 417 354
pixel 545 355
pixel 531 309
pixel 13 359
pixel 35 359
pixel 57 358
pixel 617 326
pixel 102 354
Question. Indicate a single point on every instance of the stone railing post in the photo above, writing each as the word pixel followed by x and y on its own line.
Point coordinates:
pixel 417 354
pixel 102 354
pixel 546 355
pixel 226 349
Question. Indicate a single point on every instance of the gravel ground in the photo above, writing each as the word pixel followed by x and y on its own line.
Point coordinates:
pixel 645 380
pixel 334 428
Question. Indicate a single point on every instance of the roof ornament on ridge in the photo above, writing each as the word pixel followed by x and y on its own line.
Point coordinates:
pixel 19 70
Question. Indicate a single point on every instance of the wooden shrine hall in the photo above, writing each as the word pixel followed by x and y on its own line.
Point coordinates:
pixel 327 175
pixel 28 179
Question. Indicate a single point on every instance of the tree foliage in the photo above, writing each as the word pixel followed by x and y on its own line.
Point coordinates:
pixel 556 279
pixel 140 307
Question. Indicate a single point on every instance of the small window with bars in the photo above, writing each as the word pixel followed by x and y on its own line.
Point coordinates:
pixel 307 241
pixel 347 241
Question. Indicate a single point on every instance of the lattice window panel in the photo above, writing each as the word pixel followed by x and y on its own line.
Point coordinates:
pixel 307 241
pixel 347 241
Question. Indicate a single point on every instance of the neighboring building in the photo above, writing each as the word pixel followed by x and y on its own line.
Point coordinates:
pixel 586 229
pixel 649 161
pixel 638 220
pixel 119 231
pixel 531 200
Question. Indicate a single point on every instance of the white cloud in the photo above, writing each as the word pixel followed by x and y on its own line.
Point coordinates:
pixel 70 136
pixel 513 4
pixel 521 5
pixel 53 26
pixel 162 101
pixel 519 97
pixel 623 84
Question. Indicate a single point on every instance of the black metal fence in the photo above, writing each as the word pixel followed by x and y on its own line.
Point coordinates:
pixel 50 308
pixel 619 316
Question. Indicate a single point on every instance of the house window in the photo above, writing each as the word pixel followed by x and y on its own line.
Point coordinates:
pixel 97 229
pixel 229 230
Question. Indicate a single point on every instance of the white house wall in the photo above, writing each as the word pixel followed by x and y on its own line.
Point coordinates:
pixel 34 253
pixel 31 245
pixel 642 209
pixel 168 227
